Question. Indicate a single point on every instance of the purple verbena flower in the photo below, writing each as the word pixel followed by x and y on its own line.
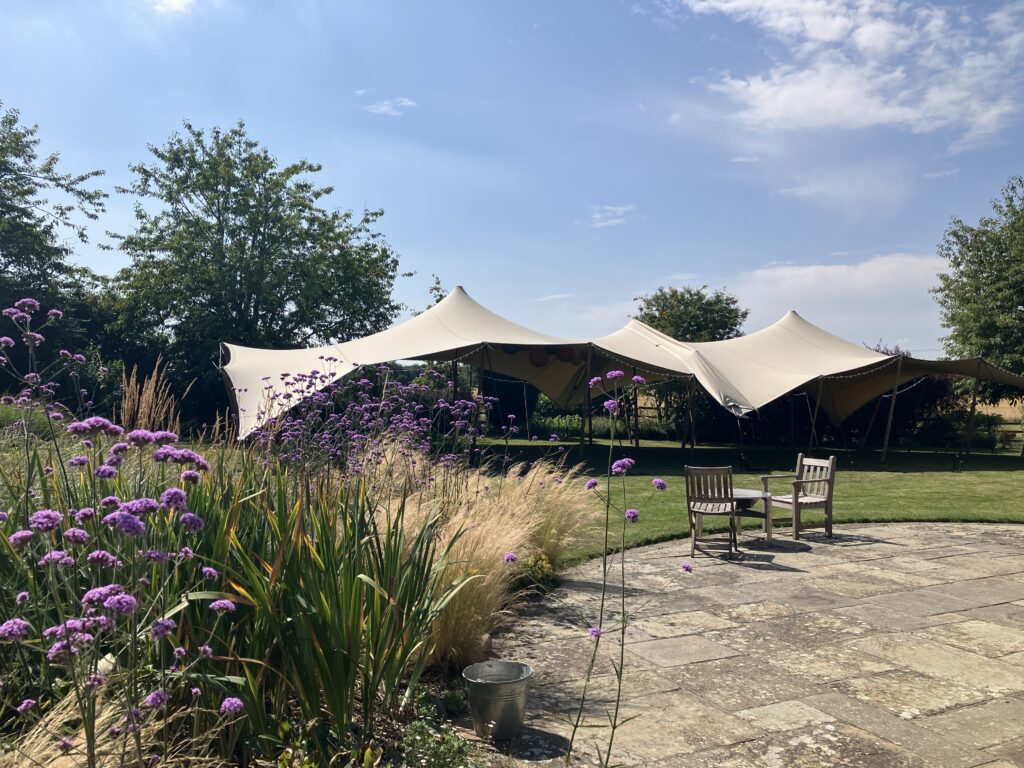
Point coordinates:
pixel 14 630
pixel 156 699
pixel 122 604
pixel 20 538
pixel 173 498
pixel 660 484
pixel 84 514
pixel 21 597
pixel 639 380
pixel 103 559
pixel 106 472
pixel 76 536
pixel 56 557
pixel 613 375
pixel 591 484
pixel 595 632
pixel 611 406
pixel 632 515
pixel 210 574
pixel 163 628
pixel 109 501
pixel 192 523
pixel 231 706
pixel 78 461
pixel 25 706
pixel 511 557
pixel 222 606
pixel 688 567
pixel 45 520
pixel 26 305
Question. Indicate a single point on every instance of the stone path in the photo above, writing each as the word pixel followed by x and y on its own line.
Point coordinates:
pixel 888 645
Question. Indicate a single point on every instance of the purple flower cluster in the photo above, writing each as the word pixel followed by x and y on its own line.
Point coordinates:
pixel 622 466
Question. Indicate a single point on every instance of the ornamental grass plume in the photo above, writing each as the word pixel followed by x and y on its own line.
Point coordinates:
pixel 528 509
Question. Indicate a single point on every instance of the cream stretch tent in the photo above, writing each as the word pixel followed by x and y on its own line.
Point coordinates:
pixel 792 355
pixel 743 374
pixel 456 328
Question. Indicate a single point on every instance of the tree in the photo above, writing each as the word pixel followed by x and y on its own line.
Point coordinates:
pixel 692 314
pixel 982 294
pixel 229 246
pixel 33 260
pixel 40 205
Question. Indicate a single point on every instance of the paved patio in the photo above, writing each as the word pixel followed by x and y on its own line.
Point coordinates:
pixel 889 645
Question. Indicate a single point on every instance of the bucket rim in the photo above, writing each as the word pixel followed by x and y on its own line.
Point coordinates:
pixel 525 670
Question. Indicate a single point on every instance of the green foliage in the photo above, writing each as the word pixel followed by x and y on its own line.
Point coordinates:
pixel 436 745
pixel 982 294
pixel 230 246
pixel 455 702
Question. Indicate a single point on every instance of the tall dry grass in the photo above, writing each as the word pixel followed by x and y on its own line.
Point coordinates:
pixel 527 509
pixel 149 402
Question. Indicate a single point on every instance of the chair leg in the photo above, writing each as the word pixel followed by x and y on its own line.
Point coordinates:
pixel 693 534
pixel 828 520
pixel 768 521
pixel 796 521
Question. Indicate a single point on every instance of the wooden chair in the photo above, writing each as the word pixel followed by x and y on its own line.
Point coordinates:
pixel 813 482
pixel 709 492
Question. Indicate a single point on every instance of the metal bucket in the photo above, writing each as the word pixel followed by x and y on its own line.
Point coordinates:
pixel 497 697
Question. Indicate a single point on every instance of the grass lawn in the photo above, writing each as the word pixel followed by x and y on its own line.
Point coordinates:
pixel 910 486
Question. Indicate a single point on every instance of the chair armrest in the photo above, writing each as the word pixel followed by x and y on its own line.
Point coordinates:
pixel 819 480
pixel 777 477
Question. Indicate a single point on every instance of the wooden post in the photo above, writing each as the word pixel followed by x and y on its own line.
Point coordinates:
pixel 689 412
pixel 871 423
pixel 636 413
pixel 812 437
pixel 970 419
pixel 526 412
pixel 590 410
pixel 892 409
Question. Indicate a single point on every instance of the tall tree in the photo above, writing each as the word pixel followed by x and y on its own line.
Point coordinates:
pixel 33 256
pixel 41 208
pixel 692 314
pixel 982 294
pixel 230 246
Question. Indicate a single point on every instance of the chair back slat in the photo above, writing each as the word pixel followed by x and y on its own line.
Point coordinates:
pixel 709 485
pixel 820 473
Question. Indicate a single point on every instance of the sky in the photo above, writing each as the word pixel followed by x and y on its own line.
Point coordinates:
pixel 559 160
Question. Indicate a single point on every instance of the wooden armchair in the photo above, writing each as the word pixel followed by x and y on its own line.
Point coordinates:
pixel 812 485
pixel 709 492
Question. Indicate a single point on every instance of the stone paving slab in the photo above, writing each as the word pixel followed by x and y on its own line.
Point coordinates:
pixel 888 645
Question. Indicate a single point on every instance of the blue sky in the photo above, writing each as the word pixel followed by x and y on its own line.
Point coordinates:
pixel 559 159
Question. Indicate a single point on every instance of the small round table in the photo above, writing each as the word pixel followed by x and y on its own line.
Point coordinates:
pixel 746 498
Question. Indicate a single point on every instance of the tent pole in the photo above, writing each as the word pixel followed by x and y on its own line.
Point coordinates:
pixel 689 412
pixel 526 412
pixel 792 430
pixel 892 409
pixel 970 419
pixel 812 438
pixel 584 406
pixel 590 410
pixel 636 412
pixel 871 423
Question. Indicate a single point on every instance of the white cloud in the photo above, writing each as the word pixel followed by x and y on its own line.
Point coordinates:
pixel 855 190
pixel 850 64
pixel 173 6
pixel 552 297
pixel 611 215
pixel 943 174
pixel 745 159
pixel 882 298
pixel 360 91
pixel 391 107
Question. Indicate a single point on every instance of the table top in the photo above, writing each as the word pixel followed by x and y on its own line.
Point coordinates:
pixel 747 493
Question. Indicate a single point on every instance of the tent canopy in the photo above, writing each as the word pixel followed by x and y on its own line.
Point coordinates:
pixel 743 374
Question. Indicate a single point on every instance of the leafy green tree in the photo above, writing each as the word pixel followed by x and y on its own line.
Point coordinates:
pixel 692 314
pixel 982 294
pixel 33 257
pixel 230 246
pixel 41 206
